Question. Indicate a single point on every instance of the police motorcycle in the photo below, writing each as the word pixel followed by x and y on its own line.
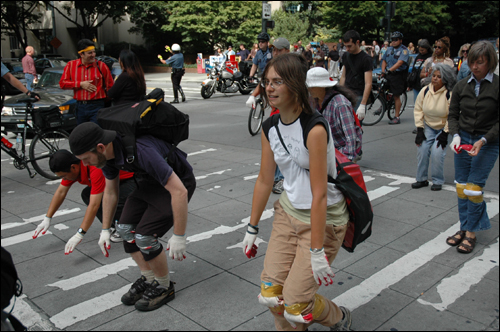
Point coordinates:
pixel 220 79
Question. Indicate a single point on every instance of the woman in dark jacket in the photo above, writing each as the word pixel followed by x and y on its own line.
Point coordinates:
pixel 130 86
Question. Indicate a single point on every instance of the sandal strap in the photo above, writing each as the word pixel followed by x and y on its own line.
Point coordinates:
pixel 453 238
pixel 470 247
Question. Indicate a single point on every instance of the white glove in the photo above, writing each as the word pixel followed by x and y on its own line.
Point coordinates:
pixel 251 102
pixel 249 248
pixel 104 242
pixel 360 112
pixel 72 243
pixel 321 268
pixel 43 227
pixel 455 143
pixel 292 319
pixel 177 247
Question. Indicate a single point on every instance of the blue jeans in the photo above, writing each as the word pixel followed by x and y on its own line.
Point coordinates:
pixel 430 151
pixel 277 174
pixel 87 112
pixel 474 170
pixel 415 95
pixel 29 81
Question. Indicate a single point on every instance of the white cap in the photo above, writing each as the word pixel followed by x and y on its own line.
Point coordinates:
pixel 176 47
pixel 318 77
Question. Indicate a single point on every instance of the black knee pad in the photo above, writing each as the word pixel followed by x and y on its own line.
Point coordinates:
pixel 152 254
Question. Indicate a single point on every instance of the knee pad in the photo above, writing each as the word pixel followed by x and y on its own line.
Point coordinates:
pixel 474 193
pixel 127 232
pixel 312 310
pixel 460 190
pixel 271 296
pixel 148 244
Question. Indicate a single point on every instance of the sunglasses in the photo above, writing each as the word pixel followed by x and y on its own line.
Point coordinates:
pixel 395 39
pixel 465 51
pixel 440 47
pixel 262 41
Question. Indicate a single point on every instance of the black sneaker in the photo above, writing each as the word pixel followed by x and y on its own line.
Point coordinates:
pixel 136 291
pixel 155 296
pixel 420 184
pixel 345 323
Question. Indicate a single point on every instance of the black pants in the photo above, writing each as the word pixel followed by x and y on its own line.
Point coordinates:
pixel 176 81
pixel 126 188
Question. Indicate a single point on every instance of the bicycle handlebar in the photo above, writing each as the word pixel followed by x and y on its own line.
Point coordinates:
pixel 27 100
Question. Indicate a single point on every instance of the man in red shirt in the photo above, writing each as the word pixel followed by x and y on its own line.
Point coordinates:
pixel 65 165
pixel 89 79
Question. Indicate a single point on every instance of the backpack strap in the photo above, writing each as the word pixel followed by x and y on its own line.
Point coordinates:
pixel 129 144
pixel 307 122
pixel 447 93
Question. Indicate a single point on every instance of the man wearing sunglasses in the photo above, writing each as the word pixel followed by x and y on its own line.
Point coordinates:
pixel 395 60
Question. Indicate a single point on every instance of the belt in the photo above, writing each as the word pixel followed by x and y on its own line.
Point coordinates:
pixel 176 70
pixel 96 101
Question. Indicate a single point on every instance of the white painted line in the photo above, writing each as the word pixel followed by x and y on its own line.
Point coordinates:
pixel 37 218
pixel 379 192
pixel 94 275
pixel 226 229
pixel 368 178
pixel 21 238
pixel 201 177
pixel 29 317
pixel 452 288
pixel 53 182
pixel 251 177
pixel 61 227
pixel 84 310
pixel 216 187
pixel 393 273
pixel 202 151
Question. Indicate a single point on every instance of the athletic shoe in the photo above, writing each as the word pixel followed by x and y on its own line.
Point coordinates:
pixel 155 296
pixel 278 187
pixel 136 291
pixel 345 322
pixel 394 121
pixel 115 237
pixel 420 184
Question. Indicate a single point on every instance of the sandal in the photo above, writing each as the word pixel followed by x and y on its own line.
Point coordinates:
pixel 468 248
pixel 456 241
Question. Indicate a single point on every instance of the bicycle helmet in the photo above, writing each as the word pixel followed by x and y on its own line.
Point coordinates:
pixel 397 34
pixel 263 36
pixel 176 48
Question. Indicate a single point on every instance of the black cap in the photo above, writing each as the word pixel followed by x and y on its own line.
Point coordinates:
pixel 87 135
pixel 62 160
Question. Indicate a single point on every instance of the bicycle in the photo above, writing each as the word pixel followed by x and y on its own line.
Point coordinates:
pixel 256 117
pixel 45 143
pixel 383 100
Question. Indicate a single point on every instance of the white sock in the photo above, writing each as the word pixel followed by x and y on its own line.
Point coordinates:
pixel 163 281
pixel 149 275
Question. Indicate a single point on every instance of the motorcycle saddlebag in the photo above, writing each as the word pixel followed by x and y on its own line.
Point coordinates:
pixel 237 76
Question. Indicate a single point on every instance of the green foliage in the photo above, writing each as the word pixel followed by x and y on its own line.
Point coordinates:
pixel 16 15
pixel 289 26
pixel 424 17
pixel 309 10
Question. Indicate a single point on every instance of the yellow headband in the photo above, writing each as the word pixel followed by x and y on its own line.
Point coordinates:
pixel 89 48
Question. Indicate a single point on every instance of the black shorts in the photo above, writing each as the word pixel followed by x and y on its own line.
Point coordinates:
pixel 397 82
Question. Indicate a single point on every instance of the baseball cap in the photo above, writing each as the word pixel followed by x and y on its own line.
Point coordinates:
pixel 87 135
pixel 319 77
pixel 281 43
pixel 62 160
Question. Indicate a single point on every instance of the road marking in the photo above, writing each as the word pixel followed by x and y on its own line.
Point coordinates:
pixel 251 177
pixel 21 238
pixel 94 275
pixel 379 192
pixel 202 151
pixel 393 273
pixel 89 308
pixel 58 181
pixel 38 218
pixel 61 227
pixel 367 178
pixel 201 177
pixel 451 288
pixel 29 317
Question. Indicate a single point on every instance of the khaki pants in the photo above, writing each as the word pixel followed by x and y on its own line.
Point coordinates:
pixel 288 264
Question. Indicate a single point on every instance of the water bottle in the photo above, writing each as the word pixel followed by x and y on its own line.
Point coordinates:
pixel 19 143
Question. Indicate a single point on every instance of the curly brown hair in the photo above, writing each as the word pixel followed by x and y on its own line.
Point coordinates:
pixel 446 46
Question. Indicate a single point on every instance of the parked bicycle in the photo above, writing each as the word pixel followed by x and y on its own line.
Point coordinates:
pixel 46 141
pixel 256 117
pixel 383 100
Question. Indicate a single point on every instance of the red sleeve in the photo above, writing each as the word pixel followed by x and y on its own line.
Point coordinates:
pixel 97 180
pixel 67 183
pixel 125 175
pixel 66 82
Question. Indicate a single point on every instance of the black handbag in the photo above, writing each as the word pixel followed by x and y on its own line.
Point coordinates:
pixel 413 78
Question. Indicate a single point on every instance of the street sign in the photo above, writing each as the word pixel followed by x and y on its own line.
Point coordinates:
pixel 266 11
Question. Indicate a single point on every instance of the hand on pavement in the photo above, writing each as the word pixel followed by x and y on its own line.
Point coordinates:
pixel 176 247
pixel 43 227
pixel 249 248
pixel 455 144
pixel 72 243
pixel 321 268
pixel 251 102
pixel 104 241
pixel 360 112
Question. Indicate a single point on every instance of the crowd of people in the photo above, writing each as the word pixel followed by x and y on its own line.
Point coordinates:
pixel 313 116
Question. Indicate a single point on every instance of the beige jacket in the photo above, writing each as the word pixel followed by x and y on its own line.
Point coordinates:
pixel 433 109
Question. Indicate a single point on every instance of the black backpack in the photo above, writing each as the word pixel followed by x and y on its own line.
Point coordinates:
pixel 11 286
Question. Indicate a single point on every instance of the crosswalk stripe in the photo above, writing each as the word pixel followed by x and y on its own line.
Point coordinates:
pixel 28 236
pixel 38 218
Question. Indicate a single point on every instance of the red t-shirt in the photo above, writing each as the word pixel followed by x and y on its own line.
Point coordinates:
pixel 96 181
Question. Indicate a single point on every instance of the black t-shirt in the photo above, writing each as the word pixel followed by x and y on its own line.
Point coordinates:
pixel 125 90
pixel 334 55
pixel 244 54
pixel 362 63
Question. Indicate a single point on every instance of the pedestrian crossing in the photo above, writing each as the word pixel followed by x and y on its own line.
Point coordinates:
pixel 381 186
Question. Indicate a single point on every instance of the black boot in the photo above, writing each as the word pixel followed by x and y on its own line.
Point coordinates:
pixel 182 94
pixel 176 97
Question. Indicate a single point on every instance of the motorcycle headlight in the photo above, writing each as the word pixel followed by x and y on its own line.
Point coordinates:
pixel 213 72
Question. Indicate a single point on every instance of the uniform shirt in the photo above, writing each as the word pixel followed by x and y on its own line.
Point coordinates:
pixel 28 65
pixel 261 59
pixel 176 60
pixel 5 70
pixel 393 55
pixel 92 176
pixel 76 72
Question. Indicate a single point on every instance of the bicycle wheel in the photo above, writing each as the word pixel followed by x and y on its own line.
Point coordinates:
pixel 45 145
pixel 392 112
pixel 374 112
pixel 255 118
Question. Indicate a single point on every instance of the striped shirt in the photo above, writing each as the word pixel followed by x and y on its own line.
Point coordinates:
pixel 76 72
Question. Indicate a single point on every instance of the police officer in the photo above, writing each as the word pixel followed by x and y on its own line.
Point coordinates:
pixel 177 63
pixel 395 60
pixel 263 55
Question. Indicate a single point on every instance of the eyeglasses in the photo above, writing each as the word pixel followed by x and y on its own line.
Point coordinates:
pixel 274 84
pixel 262 41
